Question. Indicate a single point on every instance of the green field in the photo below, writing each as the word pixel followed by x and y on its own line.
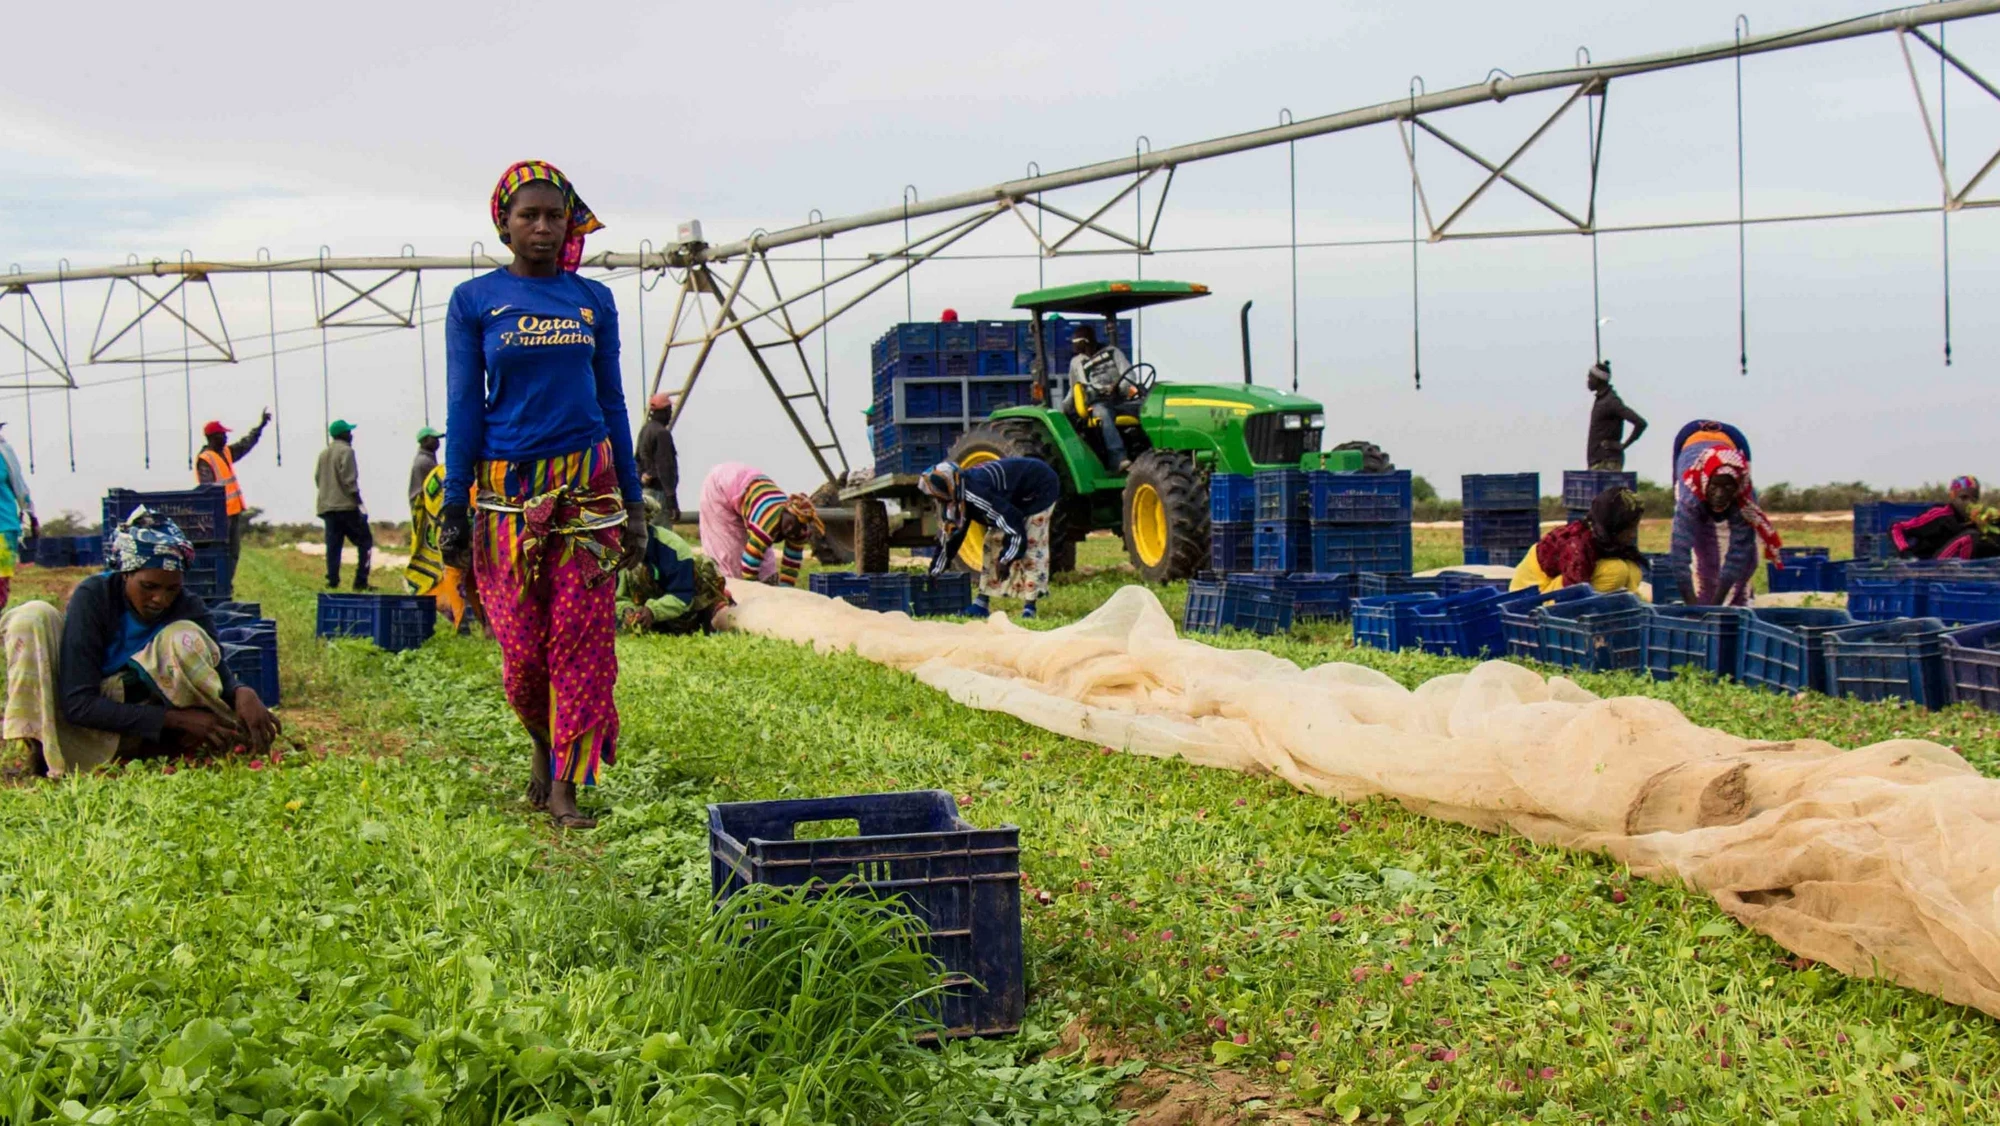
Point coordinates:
pixel 374 928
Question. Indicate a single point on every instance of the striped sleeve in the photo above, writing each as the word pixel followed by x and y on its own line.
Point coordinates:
pixel 763 503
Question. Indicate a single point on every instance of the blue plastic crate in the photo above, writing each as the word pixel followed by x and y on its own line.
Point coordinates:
pixel 394 622
pixel 927 400
pixel 1498 530
pixel 1972 666
pixel 920 596
pixel 1314 597
pixel 1500 492
pixel 1888 660
pixel 1706 637
pixel 1001 394
pixel 1521 626
pixel 211 576
pixel 1368 584
pixel 1877 517
pixel 1833 575
pixel 253 609
pixel 1458 582
pixel 201 513
pixel 89 551
pixel 922 365
pixel 958 336
pixel 1388 621
pixel 253 656
pixel 878 352
pixel 1466 624
pixel 1359 498
pixel 996 363
pixel 1283 494
pixel 1872 599
pixel 1232 498
pixel 999 336
pixel 1505 555
pixel 1603 633
pixel 52 551
pixel 1581 486
pixel 905 339
pixel 1799 574
pixel 962 884
pixel 849 588
pixel 1361 547
pixel 1784 648
pixel 1964 603
pixel 1660 575
pixel 956 365
pixel 1216 605
pixel 1282 546
pixel 1232 547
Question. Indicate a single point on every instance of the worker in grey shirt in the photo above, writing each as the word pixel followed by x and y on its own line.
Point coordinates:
pixel 340 507
pixel 1099 372
pixel 1608 416
pixel 420 468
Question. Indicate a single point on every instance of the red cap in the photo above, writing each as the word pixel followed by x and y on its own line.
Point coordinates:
pixel 214 428
pixel 949 316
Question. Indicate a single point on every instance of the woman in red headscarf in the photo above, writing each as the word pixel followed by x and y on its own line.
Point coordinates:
pixel 1713 494
pixel 541 443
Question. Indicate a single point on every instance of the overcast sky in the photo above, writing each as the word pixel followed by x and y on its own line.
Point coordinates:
pixel 225 128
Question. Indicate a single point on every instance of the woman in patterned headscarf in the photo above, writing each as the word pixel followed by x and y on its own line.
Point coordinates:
pixel 538 426
pixel 131 668
pixel 744 514
pixel 1601 550
pixel 1713 493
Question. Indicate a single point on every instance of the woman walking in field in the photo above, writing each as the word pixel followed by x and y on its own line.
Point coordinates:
pixel 538 428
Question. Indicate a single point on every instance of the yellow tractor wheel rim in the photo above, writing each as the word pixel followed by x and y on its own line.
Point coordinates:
pixel 1149 525
pixel 972 552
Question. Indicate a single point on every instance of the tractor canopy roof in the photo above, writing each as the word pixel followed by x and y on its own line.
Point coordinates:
pixel 1107 298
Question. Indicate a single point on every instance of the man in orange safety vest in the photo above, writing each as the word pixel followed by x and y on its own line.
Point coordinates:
pixel 217 466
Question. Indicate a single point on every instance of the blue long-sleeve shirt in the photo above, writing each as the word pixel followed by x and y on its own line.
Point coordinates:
pixel 1002 495
pixel 531 372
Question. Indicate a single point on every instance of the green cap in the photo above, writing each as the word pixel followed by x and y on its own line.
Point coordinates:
pixel 429 432
pixel 340 428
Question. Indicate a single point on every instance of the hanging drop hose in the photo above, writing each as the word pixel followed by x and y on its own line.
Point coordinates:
pixel 1139 251
pixel 145 399
pixel 1292 167
pixel 271 314
pixel 1416 289
pixel 1944 212
pixel 27 396
pixel 1033 170
pixel 319 312
pixel 1742 258
pixel 69 392
pixel 909 300
pixel 187 359
pixel 1591 125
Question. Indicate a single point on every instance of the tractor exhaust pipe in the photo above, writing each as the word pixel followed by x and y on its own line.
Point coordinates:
pixel 1246 342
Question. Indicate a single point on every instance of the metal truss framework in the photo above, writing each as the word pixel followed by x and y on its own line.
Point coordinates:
pixel 731 290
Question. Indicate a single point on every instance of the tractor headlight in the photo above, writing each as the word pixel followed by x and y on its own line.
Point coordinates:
pixel 1317 422
pixel 1293 422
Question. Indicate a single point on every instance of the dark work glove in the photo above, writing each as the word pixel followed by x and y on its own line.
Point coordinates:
pixel 455 536
pixel 633 536
pixel 1001 569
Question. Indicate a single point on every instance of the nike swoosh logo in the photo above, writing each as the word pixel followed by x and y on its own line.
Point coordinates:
pixel 497 312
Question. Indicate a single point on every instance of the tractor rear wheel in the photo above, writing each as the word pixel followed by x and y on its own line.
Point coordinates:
pixel 1374 459
pixel 1017 437
pixel 871 537
pixel 1166 516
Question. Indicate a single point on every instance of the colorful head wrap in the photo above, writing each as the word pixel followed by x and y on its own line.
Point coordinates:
pixel 1725 462
pixel 940 482
pixel 581 221
pixel 802 509
pixel 1966 487
pixel 148 542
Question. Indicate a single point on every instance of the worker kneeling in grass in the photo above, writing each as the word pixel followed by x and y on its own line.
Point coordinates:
pixel 132 669
pixel 673 588
pixel 744 514
pixel 1601 550
pixel 1013 498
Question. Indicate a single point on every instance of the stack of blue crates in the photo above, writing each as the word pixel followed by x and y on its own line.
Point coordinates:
pixel 1581 486
pixel 1359 522
pixel 202 514
pixel 1232 522
pixel 935 380
pixel 1056 335
pixel 1872 523
pixel 1283 540
pixel 1503 516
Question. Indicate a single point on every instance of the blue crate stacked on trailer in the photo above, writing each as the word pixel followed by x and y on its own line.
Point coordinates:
pixel 936 380
pixel 1360 522
pixel 1503 516
pixel 202 514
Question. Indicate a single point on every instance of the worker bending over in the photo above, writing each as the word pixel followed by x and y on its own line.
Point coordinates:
pixel 673 588
pixel 1960 528
pixel 1601 551
pixel 217 466
pixel 1712 494
pixel 1101 373
pixel 1014 499
pixel 744 515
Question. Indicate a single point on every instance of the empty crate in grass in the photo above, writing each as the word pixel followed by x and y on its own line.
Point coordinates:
pixel 1888 660
pixel 201 513
pixel 1369 584
pixel 1232 547
pixel 849 588
pixel 1214 605
pixel 1872 522
pixel 1783 648
pixel 392 621
pixel 1359 498
pixel 1705 637
pixel 1314 597
pixel 1964 604
pixel 1466 624
pixel 1605 633
pixel 920 596
pixel 1972 666
pixel 1503 529
pixel 1500 492
pixel 1361 547
pixel 1388 621
pixel 1883 596
pixel 962 884
pixel 1458 582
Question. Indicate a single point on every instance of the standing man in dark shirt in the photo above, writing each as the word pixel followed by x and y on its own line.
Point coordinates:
pixel 659 463
pixel 1608 416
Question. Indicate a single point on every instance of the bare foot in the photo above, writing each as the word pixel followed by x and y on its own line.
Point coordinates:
pixel 540 771
pixel 562 808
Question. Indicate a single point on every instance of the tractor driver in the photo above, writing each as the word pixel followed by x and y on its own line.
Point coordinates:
pixel 1099 372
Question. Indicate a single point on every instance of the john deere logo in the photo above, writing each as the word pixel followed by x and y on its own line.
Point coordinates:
pixel 589 317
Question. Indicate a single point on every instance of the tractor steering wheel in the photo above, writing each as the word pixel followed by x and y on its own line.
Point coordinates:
pixel 1140 379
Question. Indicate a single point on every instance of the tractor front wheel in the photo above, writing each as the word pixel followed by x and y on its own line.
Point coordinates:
pixel 1166 516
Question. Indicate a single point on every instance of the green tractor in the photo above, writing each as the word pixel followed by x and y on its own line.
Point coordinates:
pixel 1175 434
